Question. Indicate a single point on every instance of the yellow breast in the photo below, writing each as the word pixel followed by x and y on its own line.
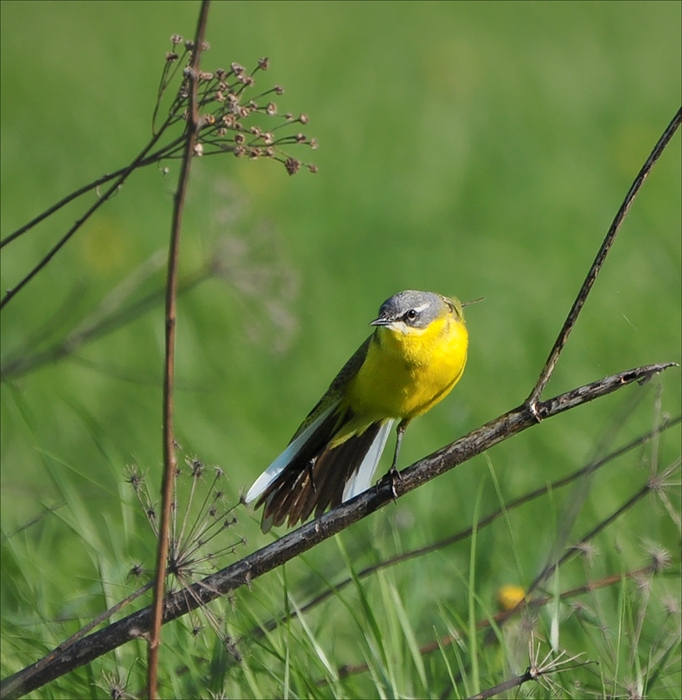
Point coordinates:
pixel 405 373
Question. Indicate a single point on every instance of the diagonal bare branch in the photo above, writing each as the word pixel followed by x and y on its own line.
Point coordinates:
pixel 572 317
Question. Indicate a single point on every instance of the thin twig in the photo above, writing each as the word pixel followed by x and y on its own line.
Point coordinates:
pixel 572 317
pixel 169 459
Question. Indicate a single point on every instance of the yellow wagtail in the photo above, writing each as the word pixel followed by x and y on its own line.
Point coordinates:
pixel 412 360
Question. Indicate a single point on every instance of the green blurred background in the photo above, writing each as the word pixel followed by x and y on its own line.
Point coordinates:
pixel 474 149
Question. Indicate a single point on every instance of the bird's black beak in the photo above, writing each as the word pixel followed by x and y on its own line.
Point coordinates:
pixel 381 321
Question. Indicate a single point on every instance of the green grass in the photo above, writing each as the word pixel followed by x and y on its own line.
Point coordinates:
pixel 475 149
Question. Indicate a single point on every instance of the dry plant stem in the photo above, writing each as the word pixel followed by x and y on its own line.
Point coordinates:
pixel 169 460
pixel 572 317
pixel 304 538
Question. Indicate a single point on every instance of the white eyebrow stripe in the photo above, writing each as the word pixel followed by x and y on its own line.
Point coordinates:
pixel 421 308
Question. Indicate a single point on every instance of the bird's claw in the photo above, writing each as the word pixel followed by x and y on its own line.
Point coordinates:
pixel 394 476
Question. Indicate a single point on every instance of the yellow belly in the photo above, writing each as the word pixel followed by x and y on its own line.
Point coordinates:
pixel 404 375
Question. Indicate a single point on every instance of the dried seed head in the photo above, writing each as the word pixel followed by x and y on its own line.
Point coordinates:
pixel 268 138
pixel 205 46
pixel 313 144
pixel 271 108
pixel 134 477
pixel 303 118
pixel 660 558
pixel 136 570
pixel 292 165
pixel 312 168
pixel 197 467
pixel 239 138
pixel 263 63
pixel 176 39
pixel 671 605
pixel 588 550
pixel 171 56
pixel 279 90
pixel 237 68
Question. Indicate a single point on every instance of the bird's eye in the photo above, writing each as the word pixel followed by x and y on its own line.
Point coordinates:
pixel 411 315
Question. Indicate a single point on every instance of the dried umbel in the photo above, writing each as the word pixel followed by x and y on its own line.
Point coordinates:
pixel 231 119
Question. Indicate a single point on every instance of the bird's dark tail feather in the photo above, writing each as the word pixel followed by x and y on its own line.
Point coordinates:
pixel 315 478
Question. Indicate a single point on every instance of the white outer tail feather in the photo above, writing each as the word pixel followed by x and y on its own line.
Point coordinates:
pixel 362 478
pixel 281 462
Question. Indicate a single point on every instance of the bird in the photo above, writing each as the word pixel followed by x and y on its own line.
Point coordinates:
pixel 412 360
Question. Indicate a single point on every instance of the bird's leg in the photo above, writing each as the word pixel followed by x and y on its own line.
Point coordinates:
pixel 393 474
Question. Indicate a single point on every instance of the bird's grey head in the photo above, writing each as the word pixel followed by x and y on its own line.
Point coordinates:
pixel 414 309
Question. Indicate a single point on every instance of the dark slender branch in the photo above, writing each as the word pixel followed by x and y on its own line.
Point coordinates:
pixel 599 260
pixel 169 459
pixel 304 538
